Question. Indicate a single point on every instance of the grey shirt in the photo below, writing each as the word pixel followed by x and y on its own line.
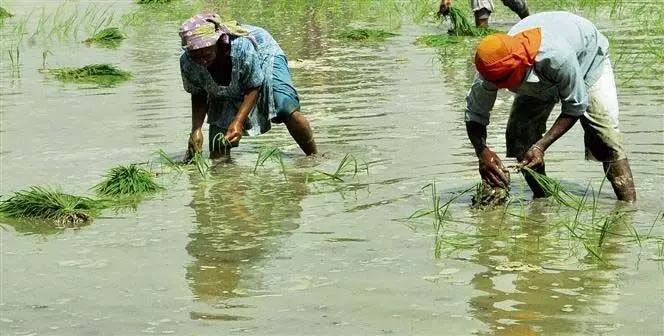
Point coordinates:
pixel 568 63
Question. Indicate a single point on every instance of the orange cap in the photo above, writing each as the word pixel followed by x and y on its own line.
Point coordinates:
pixel 503 59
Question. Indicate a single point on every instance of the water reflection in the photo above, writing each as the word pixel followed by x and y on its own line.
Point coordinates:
pixel 239 219
pixel 561 297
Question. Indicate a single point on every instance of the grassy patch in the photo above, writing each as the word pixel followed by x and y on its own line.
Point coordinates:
pixel 151 2
pixel 61 209
pixel 100 74
pixel 107 37
pixel 437 41
pixel 127 181
pixel 365 35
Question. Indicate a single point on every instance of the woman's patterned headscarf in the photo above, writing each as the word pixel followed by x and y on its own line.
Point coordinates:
pixel 205 29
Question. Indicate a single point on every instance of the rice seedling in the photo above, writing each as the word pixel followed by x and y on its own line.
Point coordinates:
pixel 349 165
pixel 166 160
pixel 127 181
pixel 107 37
pixel 202 164
pixel 271 153
pixel 554 189
pixel 101 74
pixel 365 35
pixel 63 210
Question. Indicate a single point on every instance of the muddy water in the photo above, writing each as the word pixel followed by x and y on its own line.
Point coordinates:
pixel 264 255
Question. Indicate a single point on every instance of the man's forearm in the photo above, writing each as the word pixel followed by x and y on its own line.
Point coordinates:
pixel 477 135
pixel 563 124
pixel 250 99
pixel 198 111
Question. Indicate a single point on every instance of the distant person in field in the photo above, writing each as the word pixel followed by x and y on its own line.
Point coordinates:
pixel 238 77
pixel 544 59
pixel 482 9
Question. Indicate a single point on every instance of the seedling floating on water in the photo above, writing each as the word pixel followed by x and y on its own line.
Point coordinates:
pixel 61 209
pixel 126 181
pixel 366 34
pixel 100 74
pixel 107 37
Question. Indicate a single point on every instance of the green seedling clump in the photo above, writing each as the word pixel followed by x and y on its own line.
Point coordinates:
pixel 62 209
pixel 101 74
pixel 487 196
pixel 125 181
pixel 461 26
pixel 5 14
pixel 366 34
pixel 107 37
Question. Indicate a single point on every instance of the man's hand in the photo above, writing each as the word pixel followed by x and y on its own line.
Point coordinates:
pixel 195 144
pixel 533 158
pixel 445 6
pixel 492 170
pixel 234 132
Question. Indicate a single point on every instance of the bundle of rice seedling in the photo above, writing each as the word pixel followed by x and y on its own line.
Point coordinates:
pixel 101 74
pixel 107 37
pixel 554 189
pixel 123 181
pixel 489 196
pixel 43 203
pixel 366 34
pixel 460 23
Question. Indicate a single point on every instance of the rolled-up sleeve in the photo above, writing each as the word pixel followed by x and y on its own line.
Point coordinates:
pixel 480 100
pixel 571 86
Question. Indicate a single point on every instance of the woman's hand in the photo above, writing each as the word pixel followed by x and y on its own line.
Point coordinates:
pixel 445 6
pixel 234 132
pixel 195 144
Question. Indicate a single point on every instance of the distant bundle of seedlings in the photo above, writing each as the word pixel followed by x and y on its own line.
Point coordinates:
pixel 127 181
pixel 461 26
pixel 366 34
pixel 460 23
pixel 5 14
pixel 107 37
pixel 101 74
pixel 61 209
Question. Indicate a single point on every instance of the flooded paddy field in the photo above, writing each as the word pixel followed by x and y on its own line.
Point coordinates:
pixel 266 250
